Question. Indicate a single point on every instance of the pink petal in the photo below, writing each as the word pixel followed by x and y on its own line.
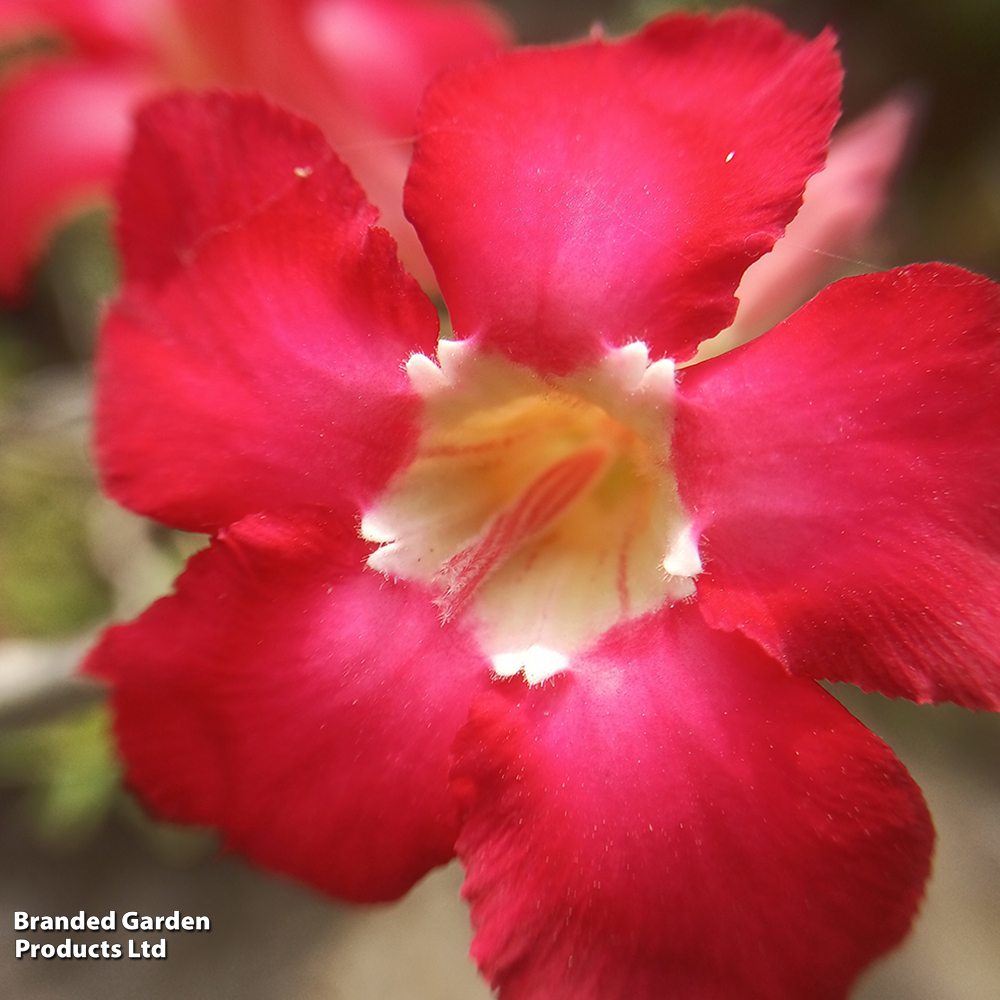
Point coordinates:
pixel 272 46
pixel 357 68
pixel 182 186
pixel 841 204
pixel 254 359
pixel 580 197
pixel 299 703
pixel 385 52
pixel 382 54
pixel 845 474
pixel 21 18
pixel 63 131
pixel 679 818
pixel 98 27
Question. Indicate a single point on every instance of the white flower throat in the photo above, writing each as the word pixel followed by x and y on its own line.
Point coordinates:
pixel 545 509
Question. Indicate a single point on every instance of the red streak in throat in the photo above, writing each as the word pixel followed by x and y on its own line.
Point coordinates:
pixel 535 509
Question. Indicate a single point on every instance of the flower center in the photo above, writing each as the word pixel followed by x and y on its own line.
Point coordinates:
pixel 546 509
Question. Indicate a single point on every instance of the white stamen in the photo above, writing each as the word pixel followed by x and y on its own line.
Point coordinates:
pixel 627 364
pixel 659 379
pixel 683 558
pixel 450 355
pixel 537 662
pixel 373 530
pixel 385 559
pixel 426 378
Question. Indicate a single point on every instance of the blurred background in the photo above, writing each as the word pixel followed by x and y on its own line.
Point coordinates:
pixel 70 561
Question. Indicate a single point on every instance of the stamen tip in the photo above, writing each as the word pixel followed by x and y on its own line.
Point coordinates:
pixel 683 559
pixel 628 364
pixel 425 376
pixel 372 530
pixel 383 560
pixel 450 354
pixel 506 664
pixel 537 662
pixel 660 378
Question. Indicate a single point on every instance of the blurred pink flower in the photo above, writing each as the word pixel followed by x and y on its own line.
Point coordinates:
pixel 357 67
pixel 839 208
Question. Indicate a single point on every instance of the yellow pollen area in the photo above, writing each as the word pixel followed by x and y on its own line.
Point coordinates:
pixel 543 511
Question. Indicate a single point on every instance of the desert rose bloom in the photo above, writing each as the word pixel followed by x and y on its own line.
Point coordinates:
pixel 533 596
pixel 357 67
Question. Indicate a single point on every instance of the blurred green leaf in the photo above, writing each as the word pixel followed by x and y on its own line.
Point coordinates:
pixel 79 273
pixel 69 769
pixel 48 585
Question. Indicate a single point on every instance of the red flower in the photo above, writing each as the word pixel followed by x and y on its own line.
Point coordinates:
pixel 666 803
pixel 357 67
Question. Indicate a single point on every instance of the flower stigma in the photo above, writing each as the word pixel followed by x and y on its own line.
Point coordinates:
pixel 545 509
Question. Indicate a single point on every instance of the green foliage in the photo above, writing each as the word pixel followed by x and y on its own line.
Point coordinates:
pixel 69 772
pixel 69 769
pixel 78 275
pixel 48 585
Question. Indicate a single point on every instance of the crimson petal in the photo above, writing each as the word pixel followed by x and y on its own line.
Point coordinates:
pixel 596 194
pixel 254 359
pixel 844 472
pixel 679 818
pixel 298 702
